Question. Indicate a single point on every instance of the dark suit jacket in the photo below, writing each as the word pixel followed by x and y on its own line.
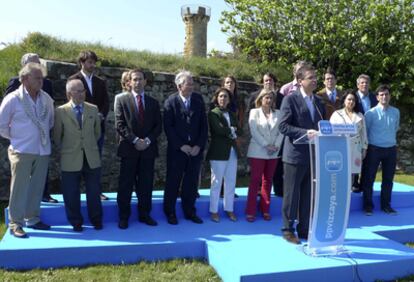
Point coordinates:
pixel 100 95
pixel 126 123
pixel 220 133
pixel 329 106
pixel 14 83
pixel 277 99
pixel 294 123
pixel 184 127
pixel 358 104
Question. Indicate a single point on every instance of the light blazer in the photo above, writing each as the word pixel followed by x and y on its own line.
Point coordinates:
pixel 263 134
pixel 295 121
pixel 359 142
pixel 74 142
pixel 329 106
pixel 221 140
pixel 128 128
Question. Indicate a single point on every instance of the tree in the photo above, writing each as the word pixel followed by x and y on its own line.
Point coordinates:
pixel 353 37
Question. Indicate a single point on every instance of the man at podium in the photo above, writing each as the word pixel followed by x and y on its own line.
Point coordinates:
pixel 300 114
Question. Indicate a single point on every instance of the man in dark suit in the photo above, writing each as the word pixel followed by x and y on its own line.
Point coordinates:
pixel 366 101
pixel 138 123
pixel 14 84
pixel 96 92
pixel 330 95
pixel 269 81
pixel 300 114
pixel 185 124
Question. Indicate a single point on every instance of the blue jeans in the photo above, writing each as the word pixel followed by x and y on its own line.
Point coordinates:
pixel 388 159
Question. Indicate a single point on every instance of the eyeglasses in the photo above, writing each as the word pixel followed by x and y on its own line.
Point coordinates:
pixel 77 91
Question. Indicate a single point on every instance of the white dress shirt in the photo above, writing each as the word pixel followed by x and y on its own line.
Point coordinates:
pixel 16 125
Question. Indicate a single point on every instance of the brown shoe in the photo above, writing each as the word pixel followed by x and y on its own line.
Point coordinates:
pixel 215 217
pixel 231 216
pixel 250 218
pixel 291 237
pixel 18 232
pixel 267 216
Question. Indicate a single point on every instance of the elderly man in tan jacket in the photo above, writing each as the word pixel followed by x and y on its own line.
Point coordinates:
pixel 76 132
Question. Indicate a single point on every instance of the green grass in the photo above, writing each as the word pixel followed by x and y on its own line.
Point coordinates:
pixel 174 270
pixel 53 48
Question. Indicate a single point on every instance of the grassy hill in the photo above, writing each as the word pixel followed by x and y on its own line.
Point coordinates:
pixel 52 48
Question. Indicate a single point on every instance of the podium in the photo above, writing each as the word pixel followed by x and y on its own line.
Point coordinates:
pixel 330 166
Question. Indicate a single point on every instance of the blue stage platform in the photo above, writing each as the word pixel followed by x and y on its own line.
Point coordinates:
pixel 238 251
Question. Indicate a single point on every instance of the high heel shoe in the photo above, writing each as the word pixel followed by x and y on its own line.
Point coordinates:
pixel 250 218
pixel 214 217
pixel 266 216
pixel 231 216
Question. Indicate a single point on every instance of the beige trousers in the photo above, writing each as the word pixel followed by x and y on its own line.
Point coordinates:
pixel 28 176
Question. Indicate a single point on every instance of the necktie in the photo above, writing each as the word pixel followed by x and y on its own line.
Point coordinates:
pixel 140 110
pixel 332 97
pixel 187 104
pixel 79 115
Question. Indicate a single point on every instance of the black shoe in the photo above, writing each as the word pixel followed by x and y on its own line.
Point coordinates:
pixel 148 220
pixel 49 199
pixel 368 211
pixel 389 210
pixel 98 226
pixel 77 228
pixel 123 224
pixel 356 189
pixel 18 232
pixel 303 236
pixel 172 219
pixel 291 237
pixel 40 226
pixel 235 195
pixel 104 198
pixel 194 218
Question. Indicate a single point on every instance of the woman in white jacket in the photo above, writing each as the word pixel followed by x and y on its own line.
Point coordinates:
pixel 263 150
pixel 349 115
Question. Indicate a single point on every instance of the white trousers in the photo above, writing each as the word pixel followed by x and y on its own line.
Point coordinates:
pixel 226 170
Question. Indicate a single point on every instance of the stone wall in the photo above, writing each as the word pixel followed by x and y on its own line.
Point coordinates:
pixel 160 85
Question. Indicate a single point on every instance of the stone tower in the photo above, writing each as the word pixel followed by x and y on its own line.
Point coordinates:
pixel 195 18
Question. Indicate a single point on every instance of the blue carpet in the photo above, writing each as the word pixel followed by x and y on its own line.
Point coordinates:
pixel 239 251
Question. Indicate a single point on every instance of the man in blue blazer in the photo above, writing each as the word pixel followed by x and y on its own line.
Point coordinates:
pixel 185 124
pixel 367 100
pixel 300 114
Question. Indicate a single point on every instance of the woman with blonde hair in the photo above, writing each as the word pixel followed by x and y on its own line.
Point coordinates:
pixel 263 154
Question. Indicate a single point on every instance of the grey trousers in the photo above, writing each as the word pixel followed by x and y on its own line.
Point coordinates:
pixel 28 176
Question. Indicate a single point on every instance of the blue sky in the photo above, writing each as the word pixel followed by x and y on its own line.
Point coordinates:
pixel 141 24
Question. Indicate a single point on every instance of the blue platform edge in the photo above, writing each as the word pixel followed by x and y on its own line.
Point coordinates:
pixel 238 251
